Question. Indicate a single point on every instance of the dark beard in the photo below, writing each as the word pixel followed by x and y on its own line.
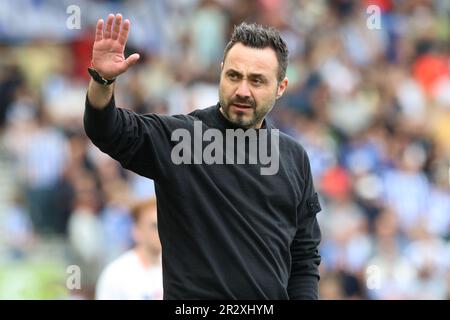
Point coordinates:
pixel 238 121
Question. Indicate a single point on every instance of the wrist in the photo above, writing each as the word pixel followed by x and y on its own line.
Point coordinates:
pixel 99 95
pixel 97 77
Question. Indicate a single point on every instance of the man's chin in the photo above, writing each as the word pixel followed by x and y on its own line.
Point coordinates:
pixel 242 115
pixel 239 118
pixel 242 122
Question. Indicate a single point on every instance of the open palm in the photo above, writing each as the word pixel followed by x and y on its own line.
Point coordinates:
pixel 109 46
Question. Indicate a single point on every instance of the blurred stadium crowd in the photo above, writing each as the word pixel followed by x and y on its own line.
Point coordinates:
pixel 371 107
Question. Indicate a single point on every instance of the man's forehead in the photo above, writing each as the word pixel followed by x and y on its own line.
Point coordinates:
pixel 251 60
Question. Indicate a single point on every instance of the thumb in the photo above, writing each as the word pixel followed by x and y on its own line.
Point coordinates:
pixel 131 60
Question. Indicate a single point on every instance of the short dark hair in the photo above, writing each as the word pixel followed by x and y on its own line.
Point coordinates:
pixel 258 36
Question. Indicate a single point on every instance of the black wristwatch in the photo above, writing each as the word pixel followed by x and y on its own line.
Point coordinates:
pixel 98 78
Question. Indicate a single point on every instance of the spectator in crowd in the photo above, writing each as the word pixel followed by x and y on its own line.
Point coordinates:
pixel 137 273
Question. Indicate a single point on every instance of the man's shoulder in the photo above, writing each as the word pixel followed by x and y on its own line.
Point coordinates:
pixel 202 112
pixel 180 118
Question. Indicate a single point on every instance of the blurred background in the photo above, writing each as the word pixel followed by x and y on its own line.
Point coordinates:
pixel 370 105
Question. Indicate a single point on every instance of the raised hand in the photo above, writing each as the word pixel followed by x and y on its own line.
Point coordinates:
pixel 109 46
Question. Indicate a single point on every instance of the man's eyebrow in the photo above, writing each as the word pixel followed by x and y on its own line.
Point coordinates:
pixel 233 71
pixel 257 75
pixel 252 75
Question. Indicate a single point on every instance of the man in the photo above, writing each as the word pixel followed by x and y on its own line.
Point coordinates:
pixel 136 274
pixel 228 230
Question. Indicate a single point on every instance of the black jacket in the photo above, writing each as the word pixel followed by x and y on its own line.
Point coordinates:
pixel 227 232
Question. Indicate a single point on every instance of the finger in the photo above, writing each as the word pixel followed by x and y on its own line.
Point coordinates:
pixel 116 27
pixel 132 59
pixel 109 23
pixel 123 37
pixel 99 30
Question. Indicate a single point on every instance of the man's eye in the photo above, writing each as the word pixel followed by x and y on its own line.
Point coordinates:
pixel 233 76
pixel 257 81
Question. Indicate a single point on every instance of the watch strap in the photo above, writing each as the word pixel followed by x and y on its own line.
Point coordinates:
pixel 98 78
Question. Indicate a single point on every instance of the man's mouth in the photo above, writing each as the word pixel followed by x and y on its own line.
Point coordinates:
pixel 240 106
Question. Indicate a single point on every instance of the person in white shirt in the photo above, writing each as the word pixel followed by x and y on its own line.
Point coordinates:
pixel 136 274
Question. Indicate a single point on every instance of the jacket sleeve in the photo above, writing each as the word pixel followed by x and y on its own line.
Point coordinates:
pixel 304 277
pixel 138 142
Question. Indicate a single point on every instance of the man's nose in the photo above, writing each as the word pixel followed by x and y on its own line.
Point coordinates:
pixel 243 90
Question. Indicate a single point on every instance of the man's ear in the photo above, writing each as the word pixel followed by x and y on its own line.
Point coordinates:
pixel 282 87
pixel 221 66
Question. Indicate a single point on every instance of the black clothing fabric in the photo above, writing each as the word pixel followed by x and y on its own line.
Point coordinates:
pixel 227 232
